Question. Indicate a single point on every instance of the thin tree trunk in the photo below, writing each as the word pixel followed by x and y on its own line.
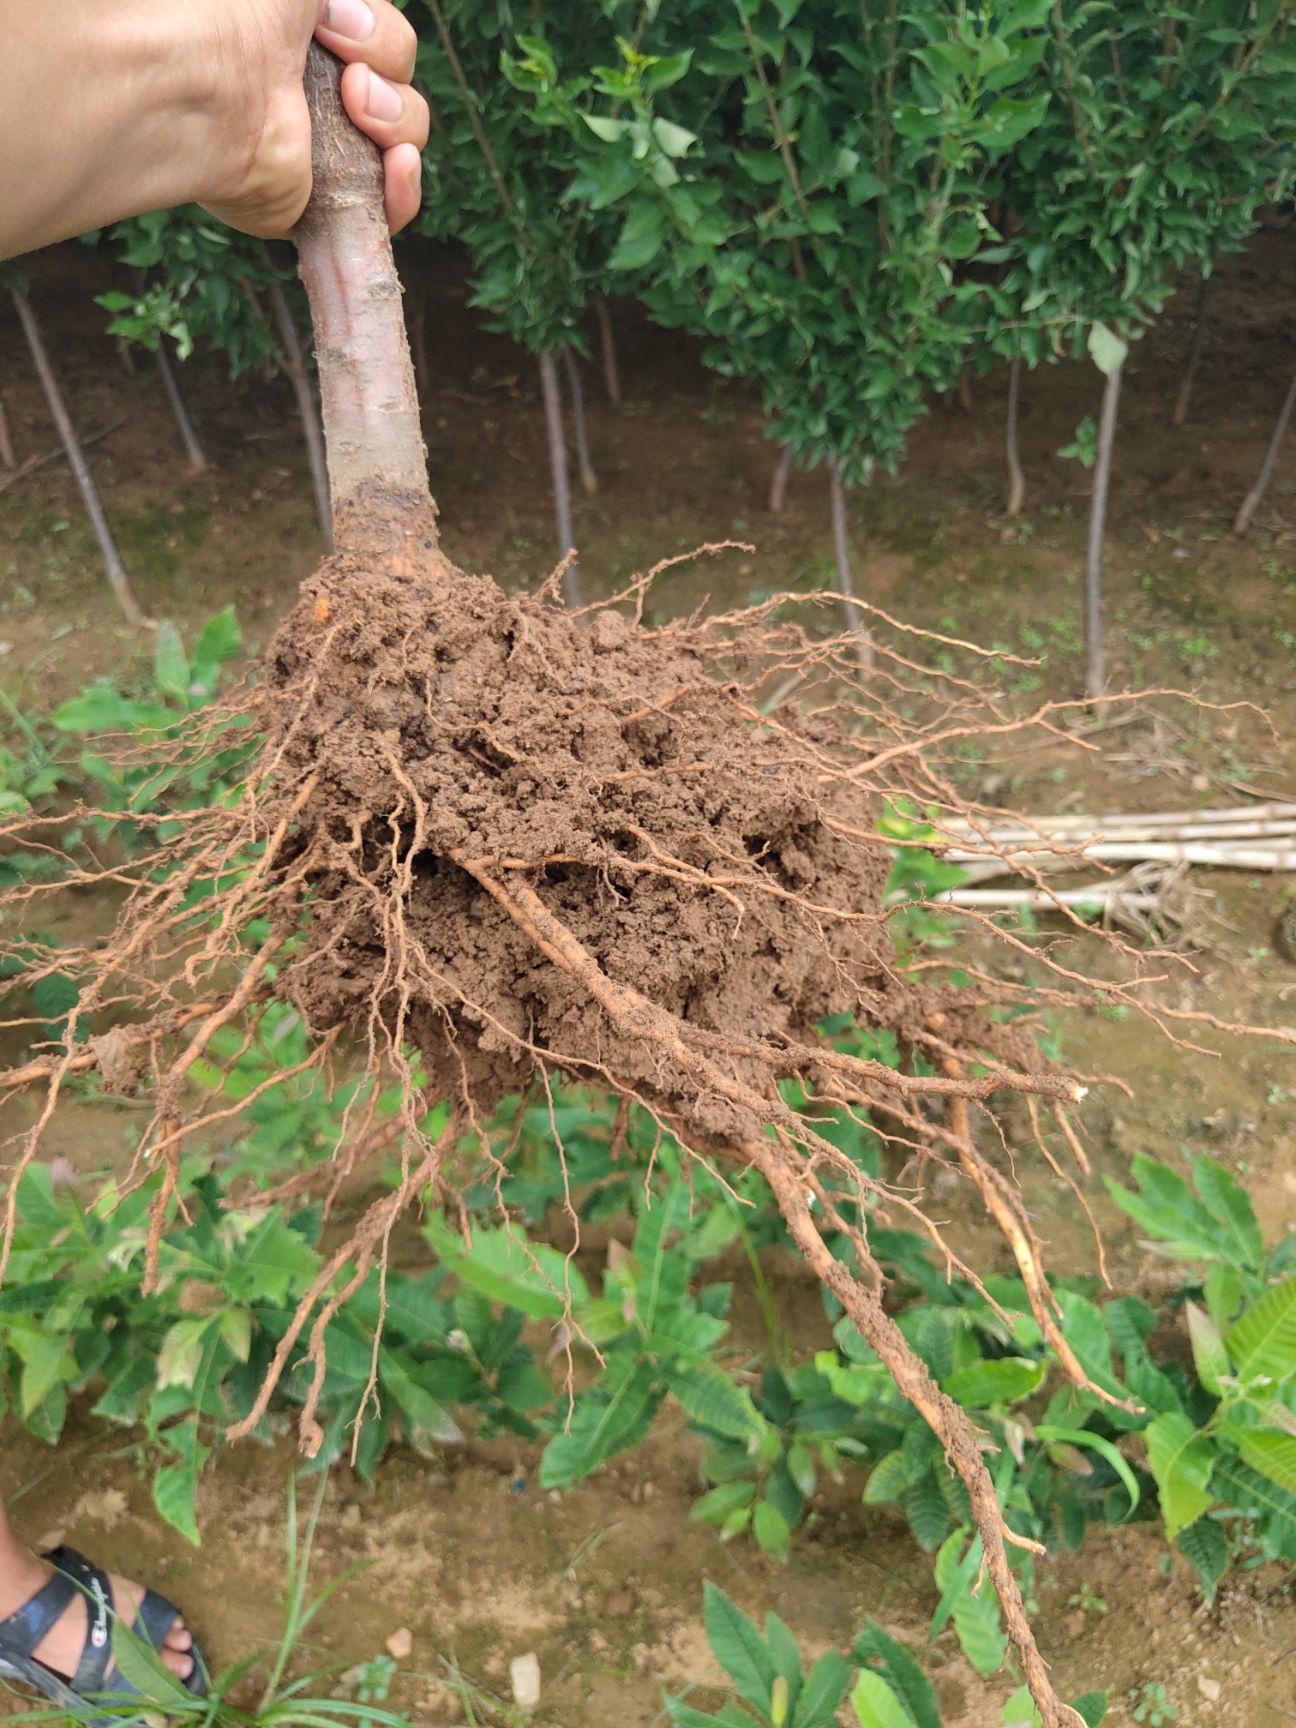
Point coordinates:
pixel 7 457
pixel 551 389
pixel 307 407
pixel 964 390
pixel 115 569
pixel 779 481
pixel 1096 659
pixel 607 343
pixel 845 576
pixel 589 479
pixel 1251 503
pixel 1183 396
pixel 188 437
pixel 1016 478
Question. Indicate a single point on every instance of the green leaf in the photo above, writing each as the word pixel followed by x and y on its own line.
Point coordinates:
pixel 975 1613
pixel 1092 1706
pixel 181 1352
pixel 716 1402
pixel 102 709
pixel 770 1529
pixel 220 641
pixel 142 1668
pixel 738 1647
pixel 529 1276
pixel 1180 1457
pixel 826 1685
pixel 1210 1358
pixel 1271 1453
pixel 1103 1447
pixel 1003 1381
pixel 1206 1546
pixel 876 1705
pixel 1263 1341
pixel 890 1476
pixel 729 1497
pixel 878 1651
pixel 46 1361
pixel 604 1422
pixel 175 1489
pixel 171 663
pixel 1230 1206
pixel 1106 349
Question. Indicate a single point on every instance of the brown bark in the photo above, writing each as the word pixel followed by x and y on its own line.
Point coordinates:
pixel 375 439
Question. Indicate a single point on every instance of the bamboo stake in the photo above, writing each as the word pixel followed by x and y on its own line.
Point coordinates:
pixel 779 481
pixel 1096 659
pixel 1016 475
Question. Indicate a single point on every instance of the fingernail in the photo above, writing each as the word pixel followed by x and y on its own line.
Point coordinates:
pixel 385 101
pixel 350 18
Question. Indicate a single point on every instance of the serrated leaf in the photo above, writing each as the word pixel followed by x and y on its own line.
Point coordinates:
pixel 1206 1546
pixel 175 1490
pixel 738 1647
pixel 1230 1205
pixel 1180 1457
pixel 1272 1454
pixel 721 1502
pixel 826 1685
pixel 1263 1341
pixel 1210 1358
pixel 879 1652
pixel 1106 349
pixel 890 1476
pixel 876 1705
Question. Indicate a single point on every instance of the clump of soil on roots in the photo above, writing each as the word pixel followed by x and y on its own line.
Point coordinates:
pixel 454 733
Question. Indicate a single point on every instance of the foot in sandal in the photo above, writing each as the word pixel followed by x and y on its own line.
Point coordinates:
pixel 56 1625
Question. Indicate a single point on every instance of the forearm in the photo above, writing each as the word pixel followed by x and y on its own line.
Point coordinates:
pixel 107 109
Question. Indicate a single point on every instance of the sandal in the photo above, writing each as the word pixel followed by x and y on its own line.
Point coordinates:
pixel 97 1675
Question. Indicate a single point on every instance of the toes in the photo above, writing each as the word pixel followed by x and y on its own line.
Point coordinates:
pixel 179 1638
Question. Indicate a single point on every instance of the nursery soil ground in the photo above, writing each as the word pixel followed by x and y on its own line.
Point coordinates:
pixel 604 1584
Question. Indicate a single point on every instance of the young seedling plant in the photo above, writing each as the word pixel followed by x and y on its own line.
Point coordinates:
pixel 486 843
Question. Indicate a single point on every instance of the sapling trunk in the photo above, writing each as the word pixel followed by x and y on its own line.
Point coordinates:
pixel 7 457
pixel 845 576
pixel 118 580
pixel 779 481
pixel 1096 660
pixel 1255 497
pixel 963 389
pixel 1016 477
pixel 580 426
pixel 1183 396
pixel 607 344
pixel 294 364
pixel 194 452
pixel 551 390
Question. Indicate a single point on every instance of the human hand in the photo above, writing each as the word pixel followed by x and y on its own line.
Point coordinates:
pixel 261 50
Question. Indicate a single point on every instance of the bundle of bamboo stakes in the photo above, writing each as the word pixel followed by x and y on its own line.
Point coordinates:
pixel 1158 849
